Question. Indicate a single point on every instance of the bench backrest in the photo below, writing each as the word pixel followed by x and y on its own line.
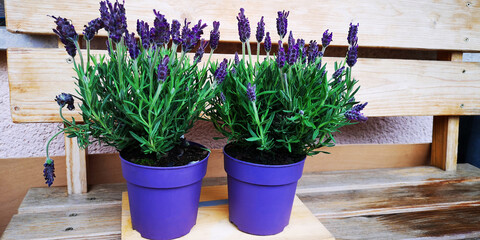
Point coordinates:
pixel 393 87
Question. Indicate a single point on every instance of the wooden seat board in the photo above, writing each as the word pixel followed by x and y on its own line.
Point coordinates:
pixel 444 24
pixel 392 87
pixel 350 203
pixel 452 223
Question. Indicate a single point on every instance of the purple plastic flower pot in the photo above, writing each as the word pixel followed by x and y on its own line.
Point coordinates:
pixel 260 197
pixel 164 200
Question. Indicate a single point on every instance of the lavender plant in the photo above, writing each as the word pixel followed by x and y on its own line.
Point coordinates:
pixel 141 97
pixel 287 104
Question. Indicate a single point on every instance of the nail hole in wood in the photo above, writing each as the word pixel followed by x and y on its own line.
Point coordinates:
pixel 464 71
pixel 466 39
pixel 469 4
pixel 16 108
pixel 462 105
pixel 68 229
pixel 73 215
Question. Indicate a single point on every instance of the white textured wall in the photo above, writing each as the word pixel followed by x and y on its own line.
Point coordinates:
pixel 28 139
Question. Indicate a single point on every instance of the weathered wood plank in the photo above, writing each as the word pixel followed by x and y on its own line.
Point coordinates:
pixel 456 223
pixel 444 24
pixel 442 195
pixel 76 160
pixel 213 223
pixel 89 223
pixel 392 87
pixel 383 178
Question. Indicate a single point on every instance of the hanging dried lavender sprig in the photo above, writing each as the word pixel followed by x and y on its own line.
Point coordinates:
pixel 143 30
pixel 355 114
pixel 161 29
pixel 221 71
pixel 268 43
pixel 132 45
pixel 214 36
pixel 163 70
pixel 67 34
pixel 49 171
pixel 92 28
pixel 260 30
pixel 243 26
pixel 326 39
pixel 65 99
pixel 114 19
pixel 282 23
pixel 200 51
pixel 251 92
pixel 175 32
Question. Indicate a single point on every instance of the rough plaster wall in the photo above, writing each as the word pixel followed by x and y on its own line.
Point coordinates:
pixel 28 139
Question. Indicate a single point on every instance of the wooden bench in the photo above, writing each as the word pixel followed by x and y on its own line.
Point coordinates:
pixel 444 88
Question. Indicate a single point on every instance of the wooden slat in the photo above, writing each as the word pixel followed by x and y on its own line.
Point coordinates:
pixel 76 160
pixel 444 24
pixel 392 87
pixel 443 195
pixel 455 223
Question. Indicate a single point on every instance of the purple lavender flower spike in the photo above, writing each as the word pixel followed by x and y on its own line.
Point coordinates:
pixel 355 114
pixel 251 92
pixel 92 28
pixel 65 99
pixel 108 47
pixel 292 54
pixel 233 71
pixel 282 23
pixel 268 43
pixel 175 32
pixel 49 172
pixel 260 30
pixel 326 39
pixel 114 19
pixel 143 31
pixel 301 43
pixel 337 74
pixel 352 55
pixel 132 45
pixel 243 26
pixel 312 52
pixel 291 40
pixel 67 34
pixel 281 55
pixel 163 70
pixel 190 37
pixel 352 34
pixel 200 51
pixel 301 112
pixel 214 35
pixel 222 97
pixel 221 71
pixel 161 32
pixel 237 59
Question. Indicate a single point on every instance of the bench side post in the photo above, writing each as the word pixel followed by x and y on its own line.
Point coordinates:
pixel 445 136
pixel 75 158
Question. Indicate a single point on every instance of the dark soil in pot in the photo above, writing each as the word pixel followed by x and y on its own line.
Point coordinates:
pixel 253 155
pixel 180 155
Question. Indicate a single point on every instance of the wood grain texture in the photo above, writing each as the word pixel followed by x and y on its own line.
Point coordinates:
pixel 454 223
pixel 213 223
pixel 392 87
pixel 445 142
pixel 76 160
pixel 443 195
pixel 440 24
